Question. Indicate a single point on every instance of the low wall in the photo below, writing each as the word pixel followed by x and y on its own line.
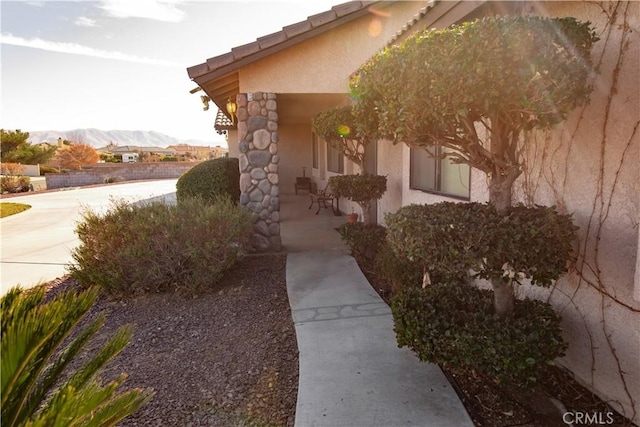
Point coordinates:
pixel 114 172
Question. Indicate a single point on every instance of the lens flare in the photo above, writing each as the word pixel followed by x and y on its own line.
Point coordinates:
pixel 375 27
pixel 344 130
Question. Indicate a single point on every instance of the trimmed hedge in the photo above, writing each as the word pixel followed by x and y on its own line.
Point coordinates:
pixel 364 240
pixel 453 325
pixel 211 178
pixel 449 239
pixel 155 247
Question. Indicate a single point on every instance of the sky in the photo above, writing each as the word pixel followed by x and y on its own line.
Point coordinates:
pixel 121 64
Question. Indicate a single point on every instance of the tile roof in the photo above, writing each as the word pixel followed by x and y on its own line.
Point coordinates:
pixel 218 76
pixel 289 35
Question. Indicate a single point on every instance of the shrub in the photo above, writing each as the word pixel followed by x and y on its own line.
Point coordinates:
pixel 15 184
pixel 112 179
pixel 211 178
pixel 397 272
pixel 529 242
pixel 443 239
pixel 12 180
pixel 154 247
pixel 36 389
pixel 362 189
pixel 363 240
pixel 48 169
pixel 453 325
pixel 449 239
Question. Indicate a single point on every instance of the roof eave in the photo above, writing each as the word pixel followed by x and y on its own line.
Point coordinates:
pixel 289 36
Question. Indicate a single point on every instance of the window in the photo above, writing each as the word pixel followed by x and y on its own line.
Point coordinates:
pixel 438 175
pixel 314 151
pixel 335 159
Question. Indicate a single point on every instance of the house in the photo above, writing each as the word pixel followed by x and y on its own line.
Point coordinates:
pixel 131 153
pixel 198 152
pixel 588 165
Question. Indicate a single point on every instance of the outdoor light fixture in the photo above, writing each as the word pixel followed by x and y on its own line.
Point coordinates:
pixel 205 101
pixel 232 107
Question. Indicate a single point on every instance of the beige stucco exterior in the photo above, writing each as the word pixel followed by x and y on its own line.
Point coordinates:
pixel 587 166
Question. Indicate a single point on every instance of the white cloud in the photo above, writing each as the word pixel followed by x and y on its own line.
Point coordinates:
pixel 160 10
pixel 83 21
pixel 76 49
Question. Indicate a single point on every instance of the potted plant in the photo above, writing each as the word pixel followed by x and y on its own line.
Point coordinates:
pixel 362 189
pixel 352 218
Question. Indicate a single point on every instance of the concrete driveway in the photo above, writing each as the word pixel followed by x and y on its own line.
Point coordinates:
pixel 36 244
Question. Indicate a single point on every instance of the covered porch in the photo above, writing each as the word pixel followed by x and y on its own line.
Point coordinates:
pixel 301 230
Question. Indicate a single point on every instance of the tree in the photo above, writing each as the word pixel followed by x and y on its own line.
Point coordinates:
pixel 474 89
pixel 15 148
pixel 36 390
pixel 338 126
pixel 341 128
pixel 76 155
pixel 362 189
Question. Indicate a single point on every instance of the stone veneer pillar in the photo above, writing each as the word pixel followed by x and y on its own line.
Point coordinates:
pixel 258 143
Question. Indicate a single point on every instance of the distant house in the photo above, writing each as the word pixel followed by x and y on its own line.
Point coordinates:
pixel 198 152
pixel 279 82
pixel 131 153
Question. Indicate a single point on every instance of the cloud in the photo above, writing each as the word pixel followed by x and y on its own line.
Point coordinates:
pixel 76 49
pixel 160 10
pixel 83 21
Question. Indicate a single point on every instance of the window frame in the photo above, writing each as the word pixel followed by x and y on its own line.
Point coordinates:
pixel 340 160
pixel 437 175
pixel 315 151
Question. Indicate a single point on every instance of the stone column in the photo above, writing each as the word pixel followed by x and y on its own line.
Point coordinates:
pixel 258 145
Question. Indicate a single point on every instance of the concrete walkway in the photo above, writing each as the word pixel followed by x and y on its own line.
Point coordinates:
pixel 352 372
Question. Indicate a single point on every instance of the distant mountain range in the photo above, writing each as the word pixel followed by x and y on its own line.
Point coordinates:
pixel 99 138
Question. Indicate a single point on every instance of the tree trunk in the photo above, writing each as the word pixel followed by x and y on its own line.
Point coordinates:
pixel 366 211
pixel 500 195
pixel 500 192
pixel 503 298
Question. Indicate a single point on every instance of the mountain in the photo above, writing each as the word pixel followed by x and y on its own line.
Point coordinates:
pixel 99 138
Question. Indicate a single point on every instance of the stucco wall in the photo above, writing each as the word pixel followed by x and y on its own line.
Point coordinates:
pixel 390 164
pixel 295 152
pixel 323 63
pixel 588 166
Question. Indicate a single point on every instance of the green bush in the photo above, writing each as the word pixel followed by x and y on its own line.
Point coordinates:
pixel 358 188
pixel 48 169
pixel 453 325
pixel 156 247
pixel 531 242
pixel 450 239
pixel 444 239
pixel 396 271
pixel 363 240
pixel 362 189
pixel 211 178
pixel 37 388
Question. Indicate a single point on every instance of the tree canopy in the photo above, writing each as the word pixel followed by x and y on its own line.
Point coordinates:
pixel 474 88
pixel 15 148
pixel 76 155
pixel 340 128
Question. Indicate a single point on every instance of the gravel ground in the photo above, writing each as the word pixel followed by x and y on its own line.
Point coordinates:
pixel 227 357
